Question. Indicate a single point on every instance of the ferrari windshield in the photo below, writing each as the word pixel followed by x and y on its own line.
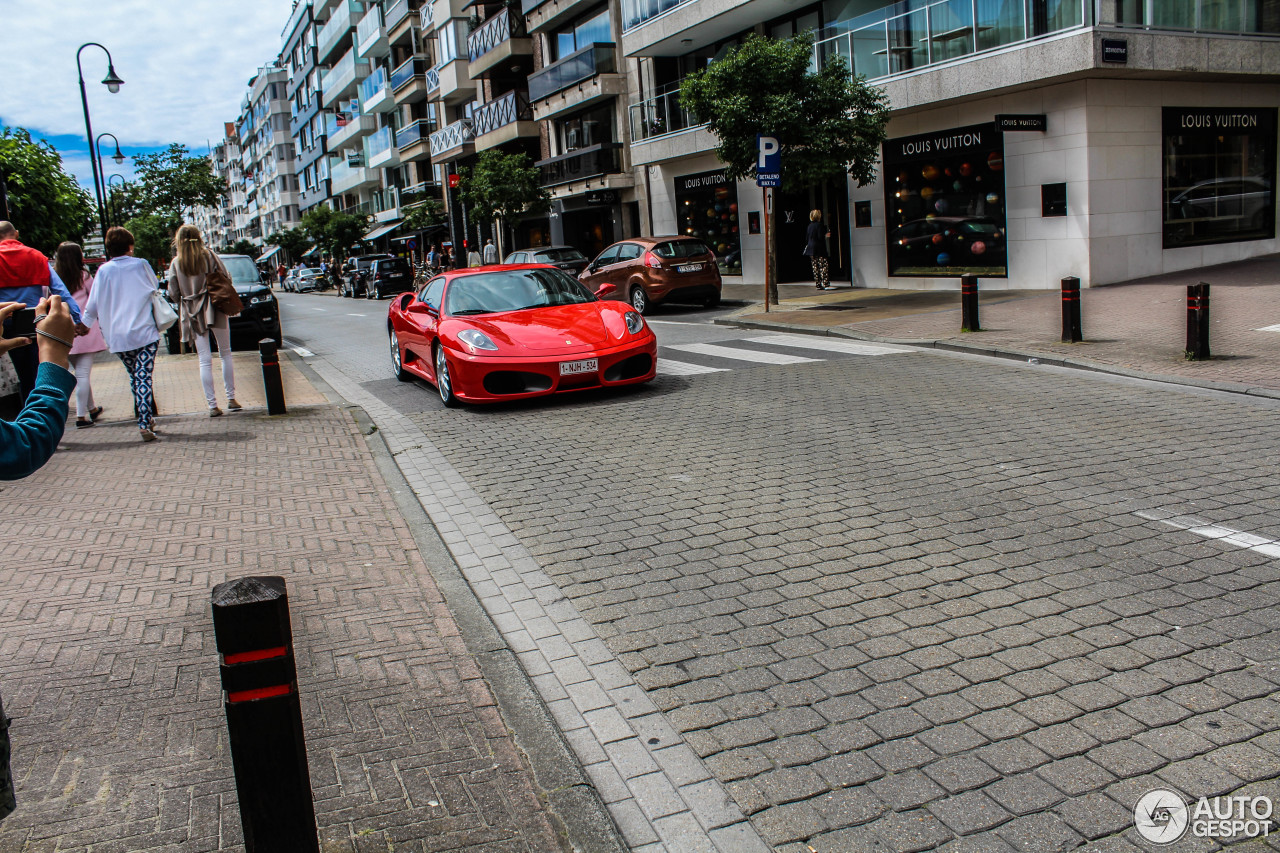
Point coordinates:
pixel 516 290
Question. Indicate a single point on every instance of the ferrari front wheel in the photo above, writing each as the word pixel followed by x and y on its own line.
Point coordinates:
pixel 444 382
pixel 397 361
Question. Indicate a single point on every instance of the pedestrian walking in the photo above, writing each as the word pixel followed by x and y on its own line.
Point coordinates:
pixel 816 249
pixel 69 265
pixel 121 303
pixel 446 258
pixel 490 252
pixel 433 260
pixel 281 274
pixel 473 258
pixel 198 316
pixel 24 275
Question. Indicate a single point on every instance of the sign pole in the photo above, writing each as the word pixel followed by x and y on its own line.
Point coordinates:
pixel 768 176
pixel 768 244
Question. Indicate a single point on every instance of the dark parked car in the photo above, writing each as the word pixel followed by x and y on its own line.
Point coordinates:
pixel 389 276
pixel 355 274
pixel 261 316
pixel 650 270
pixel 566 258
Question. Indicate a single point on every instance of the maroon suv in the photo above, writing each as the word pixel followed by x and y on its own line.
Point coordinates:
pixel 648 271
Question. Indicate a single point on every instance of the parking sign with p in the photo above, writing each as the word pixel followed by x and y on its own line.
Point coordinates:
pixel 768 161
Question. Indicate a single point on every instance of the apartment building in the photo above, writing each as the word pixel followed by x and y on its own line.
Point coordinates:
pixel 1029 140
pixel 308 125
pixel 266 141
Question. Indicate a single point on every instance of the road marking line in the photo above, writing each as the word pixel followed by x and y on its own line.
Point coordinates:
pixel 314 308
pixel 826 344
pixel 683 368
pixel 356 315
pixel 1275 328
pixel 298 348
pixel 742 355
pixel 1229 535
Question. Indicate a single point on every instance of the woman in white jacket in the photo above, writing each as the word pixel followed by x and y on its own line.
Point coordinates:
pixel 197 313
pixel 121 305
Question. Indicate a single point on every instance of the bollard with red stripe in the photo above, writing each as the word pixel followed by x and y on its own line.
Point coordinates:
pixel 264 715
pixel 969 304
pixel 1072 333
pixel 271 380
pixel 1198 322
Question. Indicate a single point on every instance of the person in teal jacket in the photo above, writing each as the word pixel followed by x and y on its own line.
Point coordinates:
pixel 29 441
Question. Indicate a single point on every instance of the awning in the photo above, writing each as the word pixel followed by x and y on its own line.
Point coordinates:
pixel 268 255
pixel 309 252
pixel 423 233
pixel 382 229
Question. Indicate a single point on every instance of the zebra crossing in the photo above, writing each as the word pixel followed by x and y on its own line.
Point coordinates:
pixel 698 358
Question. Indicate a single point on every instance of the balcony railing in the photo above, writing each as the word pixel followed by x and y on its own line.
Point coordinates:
pixel 338 79
pixel 414 132
pixel 419 193
pixel 406 71
pixel 453 136
pixel 397 13
pixel 659 115
pixel 578 165
pixel 578 66
pixel 637 12
pixel 340 23
pixel 508 109
pixel 374 86
pixel 427 18
pixel 433 79
pixel 379 142
pixel 369 30
pixel 501 27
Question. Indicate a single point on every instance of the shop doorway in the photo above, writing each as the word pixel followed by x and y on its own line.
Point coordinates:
pixel 793 210
pixel 589 231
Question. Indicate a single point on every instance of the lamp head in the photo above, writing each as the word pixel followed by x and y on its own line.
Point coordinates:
pixel 112 81
pixel 118 157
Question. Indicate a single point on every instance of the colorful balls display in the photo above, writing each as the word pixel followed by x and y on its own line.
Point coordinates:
pixel 927 192
pixel 966 169
pixel 937 238
pixel 993 198
pixel 941 206
pixel 957 186
pixel 733 207
pixel 930 172
pixel 943 259
pixel 995 161
pixel 978 247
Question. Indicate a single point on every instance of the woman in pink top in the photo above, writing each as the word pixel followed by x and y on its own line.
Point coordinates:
pixel 69 264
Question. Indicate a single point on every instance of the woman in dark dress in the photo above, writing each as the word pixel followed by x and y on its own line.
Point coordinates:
pixel 817 250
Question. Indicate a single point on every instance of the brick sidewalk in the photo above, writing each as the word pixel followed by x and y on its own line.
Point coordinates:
pixel 1139 327
pixel 107 662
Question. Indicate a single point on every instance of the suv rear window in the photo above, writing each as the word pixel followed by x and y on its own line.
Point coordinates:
pixel 559 255
pixel 393 265
pixel 682 249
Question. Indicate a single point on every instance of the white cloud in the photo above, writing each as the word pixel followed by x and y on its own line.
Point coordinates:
pixel 186 65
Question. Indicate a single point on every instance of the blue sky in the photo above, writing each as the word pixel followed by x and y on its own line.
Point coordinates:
pixel 186 66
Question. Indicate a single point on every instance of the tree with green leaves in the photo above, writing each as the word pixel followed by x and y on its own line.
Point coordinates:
pixel 333 231
pixel 505 188
pixel 828 123
pixel 152 236
pixel 172 181
pixel 46 204
pixel 244 247
pixel 292 241
pixel 427 214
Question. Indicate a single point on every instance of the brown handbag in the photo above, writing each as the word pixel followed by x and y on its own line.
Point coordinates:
pixel 222 293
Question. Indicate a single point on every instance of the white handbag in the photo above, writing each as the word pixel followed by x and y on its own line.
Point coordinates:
pixel 161 311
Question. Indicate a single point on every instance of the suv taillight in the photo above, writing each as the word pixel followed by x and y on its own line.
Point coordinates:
pixel 651 261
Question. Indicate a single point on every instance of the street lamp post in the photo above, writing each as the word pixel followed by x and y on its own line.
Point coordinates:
pixel 117 213
pixel 113 82
pixel 117 158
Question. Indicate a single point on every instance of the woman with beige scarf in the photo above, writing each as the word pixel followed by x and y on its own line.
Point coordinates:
pixel 197 314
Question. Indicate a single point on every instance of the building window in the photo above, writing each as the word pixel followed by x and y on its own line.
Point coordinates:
pixel 1219 175
pixel 585 129
pixel 582 33
pixel 944 203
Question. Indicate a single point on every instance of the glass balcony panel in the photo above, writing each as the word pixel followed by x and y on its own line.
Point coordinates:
pixel 951 30
pixel 373 85
pixel 659 115
pixel 406 72
pixel 397 13
pixel 415 131
pixel 578 165
pixel 578 66
pixel 908 41
pixel 999 23
pixel 380 141
pixel 1051 16
pixel 637 12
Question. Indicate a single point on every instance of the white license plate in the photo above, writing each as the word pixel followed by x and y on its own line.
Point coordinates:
pixel 689 268
pixel 573 368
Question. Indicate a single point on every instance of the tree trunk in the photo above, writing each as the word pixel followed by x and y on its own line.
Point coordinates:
pixel 499 232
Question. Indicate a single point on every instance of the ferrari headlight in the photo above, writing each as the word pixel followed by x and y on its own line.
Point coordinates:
pixel 635 323
pixel 476 339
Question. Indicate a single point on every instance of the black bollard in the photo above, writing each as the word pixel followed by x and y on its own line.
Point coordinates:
pixel 264 715
pixel 969 304
pixel 1072 332
pixel 271 380
pixel 1198 322
pixel 7 801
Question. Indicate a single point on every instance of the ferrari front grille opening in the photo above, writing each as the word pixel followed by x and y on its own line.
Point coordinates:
pixel 515 382
pixel 629 368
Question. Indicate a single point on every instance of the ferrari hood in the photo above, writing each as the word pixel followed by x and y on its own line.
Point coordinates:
pixel 563 327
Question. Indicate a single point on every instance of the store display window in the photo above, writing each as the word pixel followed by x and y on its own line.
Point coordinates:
pixel 707 208
pixel 1219 175
pixel 944 203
